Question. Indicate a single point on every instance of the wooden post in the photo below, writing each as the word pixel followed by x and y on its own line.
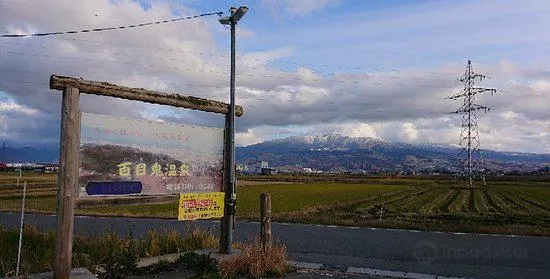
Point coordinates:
pixel 265 220
pixel 67 181
pixel 140 94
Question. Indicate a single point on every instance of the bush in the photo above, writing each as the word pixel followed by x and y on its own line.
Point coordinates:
pixel 203 265
pixel 120 255
pixel 199 239
pixel 255 262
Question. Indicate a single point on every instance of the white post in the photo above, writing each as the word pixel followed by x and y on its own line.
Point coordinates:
pixel 21 229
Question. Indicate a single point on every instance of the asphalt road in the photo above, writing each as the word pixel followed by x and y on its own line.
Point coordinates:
pixel 447 254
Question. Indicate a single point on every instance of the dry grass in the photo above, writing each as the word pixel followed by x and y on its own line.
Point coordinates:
pixel 117 254
pixel 255 262
pixel 172 241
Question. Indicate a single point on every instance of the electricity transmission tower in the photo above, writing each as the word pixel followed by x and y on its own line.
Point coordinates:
pixel 470 155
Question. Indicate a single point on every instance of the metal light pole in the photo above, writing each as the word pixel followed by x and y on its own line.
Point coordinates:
pixel 226 230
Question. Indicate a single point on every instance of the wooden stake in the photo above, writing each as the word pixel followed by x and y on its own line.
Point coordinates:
pixel 265 220
pixel 68 179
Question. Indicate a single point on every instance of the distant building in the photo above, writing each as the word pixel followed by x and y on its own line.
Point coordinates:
pixel 268 171
pixel 30 167
pixel 296 169
pixel 242 168
pixel 257 167
pixel 51 167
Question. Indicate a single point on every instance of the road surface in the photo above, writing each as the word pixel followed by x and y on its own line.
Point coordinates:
pixel 447 254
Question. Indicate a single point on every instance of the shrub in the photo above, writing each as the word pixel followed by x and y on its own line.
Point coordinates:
pixel 203 265
pixel 119 255
pixel 199 239
pixel 255 262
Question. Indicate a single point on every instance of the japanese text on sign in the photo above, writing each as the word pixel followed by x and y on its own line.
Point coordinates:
pixel 194 206
pixel 156 169
pixel 165 158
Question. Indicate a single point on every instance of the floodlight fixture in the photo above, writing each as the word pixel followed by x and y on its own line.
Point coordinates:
pixel 236 15
pixel 239 13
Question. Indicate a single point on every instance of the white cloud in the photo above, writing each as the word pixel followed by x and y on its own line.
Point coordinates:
pixel 358 130
pixel 404 105
pixel 13 107
pixel 408 132
pixel 247 138
pixel 297 8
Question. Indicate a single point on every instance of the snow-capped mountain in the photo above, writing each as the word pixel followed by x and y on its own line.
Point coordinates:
pixel 334 152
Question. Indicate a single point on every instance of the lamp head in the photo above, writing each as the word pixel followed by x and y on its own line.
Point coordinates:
pixel 225 20
pixel 236 15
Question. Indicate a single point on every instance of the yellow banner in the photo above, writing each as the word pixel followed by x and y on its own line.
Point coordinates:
pixel 194 206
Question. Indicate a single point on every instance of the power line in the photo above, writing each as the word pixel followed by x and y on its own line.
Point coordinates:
pixel 284 76
pixel 289 77
pixel 92 13
pixel 469 134
pixel 108 28
pixel 261 104
pixel 11 87
pixel 354 67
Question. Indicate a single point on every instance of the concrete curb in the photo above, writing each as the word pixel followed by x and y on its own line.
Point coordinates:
pixel 145 262
pixel 77 273
pixel 369 271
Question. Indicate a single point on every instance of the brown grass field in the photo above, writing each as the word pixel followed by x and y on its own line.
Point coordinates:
pixel 515 205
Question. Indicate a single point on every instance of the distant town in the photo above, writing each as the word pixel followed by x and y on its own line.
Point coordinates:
pixel 264 168
pixel 29 167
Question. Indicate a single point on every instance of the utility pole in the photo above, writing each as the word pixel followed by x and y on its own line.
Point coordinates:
pixel 227 224
pixel 469 134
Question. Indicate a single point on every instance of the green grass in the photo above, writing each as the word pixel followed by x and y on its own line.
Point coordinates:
pixel 503 209
pixel 167 210
pixel 295 197
pixel 302 196
pixel 32 204
pixel 508 204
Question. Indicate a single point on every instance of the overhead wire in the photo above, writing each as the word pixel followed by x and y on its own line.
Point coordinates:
pixel 53 33
pixel 262 103
pixel 298 93
pixel 208 14
pixel 242 58
pixel 289 76
pixel 92 14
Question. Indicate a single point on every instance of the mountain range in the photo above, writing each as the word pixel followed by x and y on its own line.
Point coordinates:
pixel 43 154
pixel 338 153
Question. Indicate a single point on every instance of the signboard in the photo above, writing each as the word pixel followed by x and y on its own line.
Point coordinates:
pixel 194 206
pixel 120 156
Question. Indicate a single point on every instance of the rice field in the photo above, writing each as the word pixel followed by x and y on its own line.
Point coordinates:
pixel 519 205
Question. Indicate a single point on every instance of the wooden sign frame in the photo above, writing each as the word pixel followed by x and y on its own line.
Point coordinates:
pixel 70 144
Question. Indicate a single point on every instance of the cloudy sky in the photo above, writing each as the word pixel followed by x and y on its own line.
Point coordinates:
pixel 360 68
